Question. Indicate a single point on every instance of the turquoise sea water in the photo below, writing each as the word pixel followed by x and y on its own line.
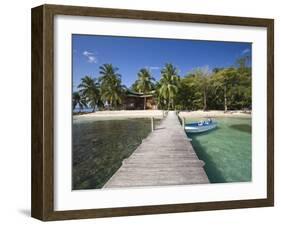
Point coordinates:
pixel 99 147
pixel 226 151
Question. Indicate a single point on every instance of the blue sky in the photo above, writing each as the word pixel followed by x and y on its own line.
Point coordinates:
pixel 132 54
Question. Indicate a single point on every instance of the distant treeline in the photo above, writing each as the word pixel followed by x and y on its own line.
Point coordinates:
pixel 227 88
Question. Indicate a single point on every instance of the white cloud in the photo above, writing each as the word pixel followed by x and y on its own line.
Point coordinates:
pixel 86 53
pixel 91 58
pixel 245 51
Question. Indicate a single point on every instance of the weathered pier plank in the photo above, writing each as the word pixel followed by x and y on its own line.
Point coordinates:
pixel 165 157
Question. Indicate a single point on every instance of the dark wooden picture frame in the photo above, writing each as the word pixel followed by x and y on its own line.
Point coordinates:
pixel 43 107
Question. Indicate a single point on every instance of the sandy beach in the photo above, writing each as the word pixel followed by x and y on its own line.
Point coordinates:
pixel 122 114
pixel 214 114
pixel 157 114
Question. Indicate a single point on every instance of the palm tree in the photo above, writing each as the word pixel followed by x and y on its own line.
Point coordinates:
pixel 111 87
pixel 108 72
pixel 203 75
pixel 89 88
pixel 113 92
pixel 78 99
pixel 169 84
pixel 144 83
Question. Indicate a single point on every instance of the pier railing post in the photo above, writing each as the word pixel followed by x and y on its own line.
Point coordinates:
pixel 182 122
pixel 152 124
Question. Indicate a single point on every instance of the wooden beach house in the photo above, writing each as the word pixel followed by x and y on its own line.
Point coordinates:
pixel 135 101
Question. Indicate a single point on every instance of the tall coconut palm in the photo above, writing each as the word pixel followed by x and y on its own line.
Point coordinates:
pixel 169 84
pixel 144 83
pixel 111 87
pixel 89 88
pixel 77 99
pixel 108 72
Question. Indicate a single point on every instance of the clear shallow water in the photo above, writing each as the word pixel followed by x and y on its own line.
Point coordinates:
pixel 226 151
pixel 99 148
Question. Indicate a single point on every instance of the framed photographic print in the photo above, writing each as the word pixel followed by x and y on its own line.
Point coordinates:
pixel 141 112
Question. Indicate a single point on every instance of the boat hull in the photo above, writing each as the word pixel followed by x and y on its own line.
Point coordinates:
pixel 192 128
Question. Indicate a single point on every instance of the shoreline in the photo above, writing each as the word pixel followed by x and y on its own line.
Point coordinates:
pixel 123 114
pixel 215 114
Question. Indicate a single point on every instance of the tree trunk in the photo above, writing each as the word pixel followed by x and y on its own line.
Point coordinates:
pixel 168 104
pixel 144 103
pixel 225 100
pixel 205 101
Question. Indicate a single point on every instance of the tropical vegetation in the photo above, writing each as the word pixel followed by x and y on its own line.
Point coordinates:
pixel 89 91
pixel 144 84
pixel 227 88
pixel 168 86
pixel 77 99
pixel 110 85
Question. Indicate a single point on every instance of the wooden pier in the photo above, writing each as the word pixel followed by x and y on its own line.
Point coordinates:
pixel 165 157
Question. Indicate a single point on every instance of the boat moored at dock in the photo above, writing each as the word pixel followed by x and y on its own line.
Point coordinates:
pixel 200 127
